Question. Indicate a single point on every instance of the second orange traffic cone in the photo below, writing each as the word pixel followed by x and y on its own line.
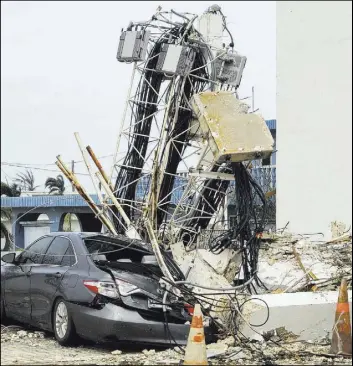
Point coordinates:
pixel 195 352
pixel 342 333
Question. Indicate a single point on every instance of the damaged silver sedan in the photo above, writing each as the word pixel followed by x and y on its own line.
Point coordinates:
pixel 94 286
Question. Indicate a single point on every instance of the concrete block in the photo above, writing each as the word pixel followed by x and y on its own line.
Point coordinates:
pixel 308 315
pixel 201 273
pixel 219 262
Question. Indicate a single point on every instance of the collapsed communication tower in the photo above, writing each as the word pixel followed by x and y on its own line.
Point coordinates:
pixel 183 114
pixel 184 143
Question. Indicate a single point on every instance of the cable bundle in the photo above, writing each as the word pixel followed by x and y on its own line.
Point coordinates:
pixel 131 170
pixel 246 233
pixel 180 132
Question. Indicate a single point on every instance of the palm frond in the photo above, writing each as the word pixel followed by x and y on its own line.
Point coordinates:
pixel 12 190
pixel 16 190
pixel 6 189
pixel 5 233
pixel 27 180
pixel 55 185
pixel 5 213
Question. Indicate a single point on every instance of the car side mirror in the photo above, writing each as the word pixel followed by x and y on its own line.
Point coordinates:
pixel 9 258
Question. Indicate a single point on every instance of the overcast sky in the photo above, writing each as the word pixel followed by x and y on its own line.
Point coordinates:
pixel 59 73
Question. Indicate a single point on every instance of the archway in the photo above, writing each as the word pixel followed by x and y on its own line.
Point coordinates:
pixel 90 223
pixel 70 222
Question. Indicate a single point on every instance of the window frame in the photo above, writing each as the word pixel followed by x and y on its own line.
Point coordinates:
pixel 28 250
pixel 60 265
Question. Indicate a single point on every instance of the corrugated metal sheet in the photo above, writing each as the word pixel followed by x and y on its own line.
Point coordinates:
pixel 271 124
pixel 73 200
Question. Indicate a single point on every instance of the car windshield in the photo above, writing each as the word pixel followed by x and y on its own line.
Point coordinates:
pixel 114 250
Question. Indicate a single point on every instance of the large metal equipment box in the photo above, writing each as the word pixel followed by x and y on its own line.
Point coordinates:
pixel 175 59
pixel 133 46
pixel 231 132
pixel 229 68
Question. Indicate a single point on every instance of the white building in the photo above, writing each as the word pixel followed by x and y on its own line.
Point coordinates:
pixel 314 113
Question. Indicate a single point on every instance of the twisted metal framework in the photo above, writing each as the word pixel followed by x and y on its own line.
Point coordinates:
pixel 159 139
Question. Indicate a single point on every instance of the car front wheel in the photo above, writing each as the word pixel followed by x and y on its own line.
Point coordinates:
pixel 64 328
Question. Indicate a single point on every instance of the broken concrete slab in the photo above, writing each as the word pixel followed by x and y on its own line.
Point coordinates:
pixel 200 272
pixel 337 229
pixel 307 315
pixel 290 265
pixel 219 262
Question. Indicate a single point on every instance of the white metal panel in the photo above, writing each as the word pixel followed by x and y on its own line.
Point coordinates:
pixel 211 27
pixel 129 45
pixel 172 58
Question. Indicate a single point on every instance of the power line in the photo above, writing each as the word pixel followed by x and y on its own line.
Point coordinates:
pixel 37 168
pixel 52 164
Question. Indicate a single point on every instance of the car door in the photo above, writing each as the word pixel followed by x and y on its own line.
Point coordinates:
pixel 17 280
pixel 46 279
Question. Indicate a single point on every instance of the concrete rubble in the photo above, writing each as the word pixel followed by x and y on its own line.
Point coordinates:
pixel 275 350
pixel 286 262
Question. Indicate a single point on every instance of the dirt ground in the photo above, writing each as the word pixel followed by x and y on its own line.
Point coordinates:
pixel 23 346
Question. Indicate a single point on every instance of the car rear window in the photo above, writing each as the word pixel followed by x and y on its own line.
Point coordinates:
pixel 101 249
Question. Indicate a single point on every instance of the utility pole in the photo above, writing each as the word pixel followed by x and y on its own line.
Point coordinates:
pixel 73 171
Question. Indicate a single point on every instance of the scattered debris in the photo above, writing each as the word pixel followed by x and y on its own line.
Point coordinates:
pixel 37 351
pixel 117 352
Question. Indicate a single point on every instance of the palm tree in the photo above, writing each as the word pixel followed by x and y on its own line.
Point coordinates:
pixel 26 180
pixel 5 233
pixel 55 185
pixel 12 190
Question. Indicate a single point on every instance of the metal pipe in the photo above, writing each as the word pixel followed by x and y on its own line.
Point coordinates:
pixel 88 166
pixel 180 15
pixel 122 123
pixel 253 99
pixel 99 166
pixel 131 232
pixel 157 251
pixel 72 178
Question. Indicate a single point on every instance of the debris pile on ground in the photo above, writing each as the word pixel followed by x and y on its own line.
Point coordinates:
pixel 291 264
pixel 23 347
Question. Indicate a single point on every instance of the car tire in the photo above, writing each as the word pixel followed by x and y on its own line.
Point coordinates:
pixel 63 325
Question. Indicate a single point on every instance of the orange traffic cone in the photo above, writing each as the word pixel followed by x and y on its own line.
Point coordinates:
pixel 195 352
pixel 342 334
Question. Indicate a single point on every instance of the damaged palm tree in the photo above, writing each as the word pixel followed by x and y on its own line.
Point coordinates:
pixel 27 181
pixel 9 190
pixel 55 185
pixel 6 216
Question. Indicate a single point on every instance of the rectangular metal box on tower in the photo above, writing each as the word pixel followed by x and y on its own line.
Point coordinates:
pixel 229 68
pixel 231 132
pixel 175 59
pixel 133 46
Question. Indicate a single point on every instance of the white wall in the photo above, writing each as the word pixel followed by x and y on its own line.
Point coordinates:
pixel 32 233
pixel 314 114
